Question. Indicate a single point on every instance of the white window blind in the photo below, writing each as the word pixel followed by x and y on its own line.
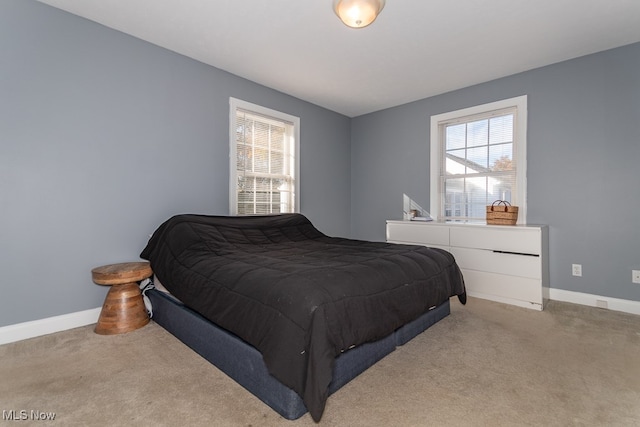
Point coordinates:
pixel 263 160
pixel 479 156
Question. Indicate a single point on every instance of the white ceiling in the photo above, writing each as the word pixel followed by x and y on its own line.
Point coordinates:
pixel 415 49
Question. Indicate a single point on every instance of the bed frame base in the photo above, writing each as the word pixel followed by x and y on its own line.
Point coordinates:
pixel 244 363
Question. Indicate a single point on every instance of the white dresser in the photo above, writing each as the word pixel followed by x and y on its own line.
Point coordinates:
pixel 508 264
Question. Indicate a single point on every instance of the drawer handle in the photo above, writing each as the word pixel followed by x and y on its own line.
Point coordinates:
pixel 515 253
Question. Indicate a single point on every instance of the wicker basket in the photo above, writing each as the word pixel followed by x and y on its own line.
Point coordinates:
pixel 502 213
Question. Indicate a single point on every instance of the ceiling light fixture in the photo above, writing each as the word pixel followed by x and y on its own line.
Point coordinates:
pixel 358 13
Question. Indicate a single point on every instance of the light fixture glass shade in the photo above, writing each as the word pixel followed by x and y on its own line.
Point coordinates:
pixel 358 13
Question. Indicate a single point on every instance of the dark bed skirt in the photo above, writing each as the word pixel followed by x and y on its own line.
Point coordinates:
pixel 244 363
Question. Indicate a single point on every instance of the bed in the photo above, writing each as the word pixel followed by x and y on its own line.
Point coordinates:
pixel 288 312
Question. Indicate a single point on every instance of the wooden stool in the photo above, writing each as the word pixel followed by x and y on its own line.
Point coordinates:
pixel 123 309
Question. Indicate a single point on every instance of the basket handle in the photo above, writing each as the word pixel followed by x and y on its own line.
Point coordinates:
pixel 500 202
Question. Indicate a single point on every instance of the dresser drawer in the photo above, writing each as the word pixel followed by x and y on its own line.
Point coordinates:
pixel 418 233
pixel 496 262
pixel 520 291
pixel 515 239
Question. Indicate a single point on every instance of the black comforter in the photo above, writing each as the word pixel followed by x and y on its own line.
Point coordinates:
pixel 297 295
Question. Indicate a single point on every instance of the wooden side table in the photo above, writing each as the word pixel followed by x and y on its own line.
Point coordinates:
pixel 123 309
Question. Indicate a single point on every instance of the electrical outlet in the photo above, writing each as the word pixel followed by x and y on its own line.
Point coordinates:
pixel 635 276
pixel 576 270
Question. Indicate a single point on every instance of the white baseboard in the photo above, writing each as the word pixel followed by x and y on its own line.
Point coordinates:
pixel 616 304
pixel 36 328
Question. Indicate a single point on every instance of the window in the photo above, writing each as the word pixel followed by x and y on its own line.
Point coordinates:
pixel 478 155
pixel 263 160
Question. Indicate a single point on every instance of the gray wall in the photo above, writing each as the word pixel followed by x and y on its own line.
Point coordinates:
pixel 583 157
pixel 103 136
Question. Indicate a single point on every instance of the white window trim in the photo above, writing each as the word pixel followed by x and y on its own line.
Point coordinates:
pixel 520 155
pixel 234 105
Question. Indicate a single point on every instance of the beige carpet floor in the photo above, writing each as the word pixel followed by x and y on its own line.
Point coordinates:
pixel 487 364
